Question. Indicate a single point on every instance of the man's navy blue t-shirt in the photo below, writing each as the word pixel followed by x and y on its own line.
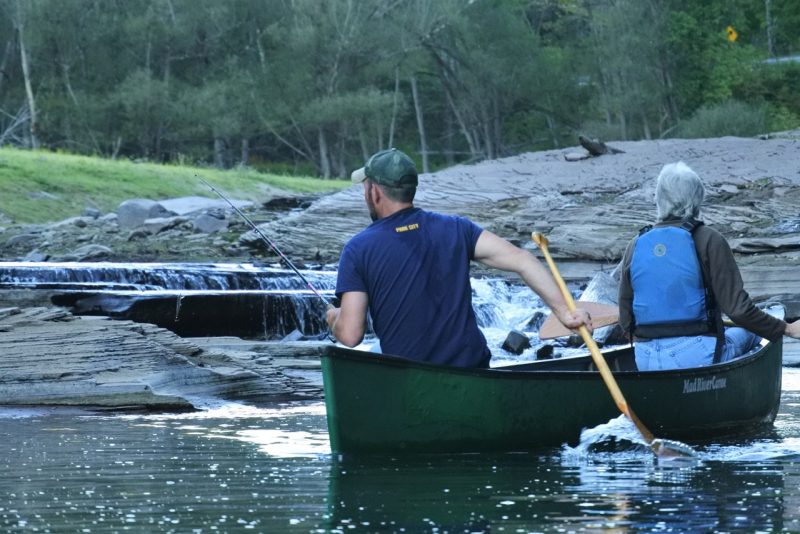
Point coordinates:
pixel 414 267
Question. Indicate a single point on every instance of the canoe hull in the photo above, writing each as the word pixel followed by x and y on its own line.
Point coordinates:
pixel 383 404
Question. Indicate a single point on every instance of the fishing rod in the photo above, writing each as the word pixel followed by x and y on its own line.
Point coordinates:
pixel 269 242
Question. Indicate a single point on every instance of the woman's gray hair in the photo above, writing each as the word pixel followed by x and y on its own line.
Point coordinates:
pixel 679 192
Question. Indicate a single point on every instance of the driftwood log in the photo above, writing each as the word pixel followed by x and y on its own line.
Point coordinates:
pixel 597 148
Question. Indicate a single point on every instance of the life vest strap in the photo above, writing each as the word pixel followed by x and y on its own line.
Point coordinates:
pixel 692 328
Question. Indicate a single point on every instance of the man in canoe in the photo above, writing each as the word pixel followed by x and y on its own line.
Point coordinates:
pixel 410 270
pixel 678 277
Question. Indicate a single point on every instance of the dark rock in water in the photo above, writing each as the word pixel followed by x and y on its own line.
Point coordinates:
pixel 545 352
pixel 615 336
pixel 516 342
pixel 535 323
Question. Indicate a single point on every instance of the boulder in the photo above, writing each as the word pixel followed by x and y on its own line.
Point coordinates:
pixel 80 222
pixel 92 213
pixel 92 252
pixel 133 213
pixel 187 205
pixel 211 221
pixel 21 240
pixel 157 225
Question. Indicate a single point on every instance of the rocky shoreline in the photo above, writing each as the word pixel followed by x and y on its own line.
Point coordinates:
pixel 52 358
pixel 588 206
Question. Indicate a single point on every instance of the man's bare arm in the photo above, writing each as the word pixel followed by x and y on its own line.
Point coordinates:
pixel 496 252
pixel 349 322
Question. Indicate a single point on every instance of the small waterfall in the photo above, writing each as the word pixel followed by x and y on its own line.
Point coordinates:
pixel 154 276
pixel 502 305
pixel 245 300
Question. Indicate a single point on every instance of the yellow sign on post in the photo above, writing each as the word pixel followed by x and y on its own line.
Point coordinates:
pixel 732 35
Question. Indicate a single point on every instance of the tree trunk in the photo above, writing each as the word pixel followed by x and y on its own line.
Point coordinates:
pixel 219 153
pixel 646 125
pixel 324 162
pixel 623 125
pixel 161 118
pixel 488 145
pixel 79 110
pixel 245 159
pixel 4 62
pixel 341 158
pixel 116 147
pixel 770 33
pixel 497 128
pixel 473 148
pixel 423 142
pixel 551 127
pixel 394 106
pixel 450 133
pixel 362 140
pixel 26 74
pixel 672 105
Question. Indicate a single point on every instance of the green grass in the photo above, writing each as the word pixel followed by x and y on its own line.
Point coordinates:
pixel 41 186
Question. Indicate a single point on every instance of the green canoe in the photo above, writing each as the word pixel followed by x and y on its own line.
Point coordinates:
pixel 385 404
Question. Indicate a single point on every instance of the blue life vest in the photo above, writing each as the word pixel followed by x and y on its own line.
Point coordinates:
pixel 669 293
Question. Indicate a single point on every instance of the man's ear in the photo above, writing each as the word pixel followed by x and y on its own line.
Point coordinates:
pixel 375 192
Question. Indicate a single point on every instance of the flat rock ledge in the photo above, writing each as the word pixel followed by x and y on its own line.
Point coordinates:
pixel 52 358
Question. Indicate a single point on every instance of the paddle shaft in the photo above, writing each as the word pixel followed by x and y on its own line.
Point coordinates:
pixel 269 242
pixel 597 357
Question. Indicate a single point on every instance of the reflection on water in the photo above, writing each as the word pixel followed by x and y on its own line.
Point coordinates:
pixel 236 468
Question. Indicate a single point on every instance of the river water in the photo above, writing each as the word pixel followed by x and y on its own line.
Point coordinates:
pixel 237 468
pixel 234 468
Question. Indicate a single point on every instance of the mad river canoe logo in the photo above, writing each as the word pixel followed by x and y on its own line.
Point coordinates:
pixel 696 385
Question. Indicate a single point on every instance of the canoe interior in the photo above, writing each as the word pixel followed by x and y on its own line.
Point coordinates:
pixel 384 404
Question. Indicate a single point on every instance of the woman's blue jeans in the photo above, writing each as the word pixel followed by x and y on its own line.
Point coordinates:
pixel 692 351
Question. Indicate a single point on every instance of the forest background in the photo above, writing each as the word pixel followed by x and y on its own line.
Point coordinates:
pixel 313 87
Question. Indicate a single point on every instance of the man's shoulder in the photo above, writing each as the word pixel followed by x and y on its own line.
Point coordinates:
pixel 446 218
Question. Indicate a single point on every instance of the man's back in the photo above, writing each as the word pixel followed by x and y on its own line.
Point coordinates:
pixel 414 266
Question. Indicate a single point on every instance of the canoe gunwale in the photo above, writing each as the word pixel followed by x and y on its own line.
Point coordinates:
pixel 516 372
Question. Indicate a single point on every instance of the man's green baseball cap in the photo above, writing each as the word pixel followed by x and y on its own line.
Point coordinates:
pixel 390 167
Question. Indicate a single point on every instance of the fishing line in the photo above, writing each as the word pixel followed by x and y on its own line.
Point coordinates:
pixel 271 245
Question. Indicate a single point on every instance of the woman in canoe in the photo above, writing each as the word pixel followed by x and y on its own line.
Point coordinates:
pixel 678 277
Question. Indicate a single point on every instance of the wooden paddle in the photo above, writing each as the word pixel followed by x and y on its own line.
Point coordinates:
pixel 658 446
pixel 602 315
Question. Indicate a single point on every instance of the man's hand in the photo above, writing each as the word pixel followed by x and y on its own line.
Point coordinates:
pixel 575 319
pixel 331 316
pixel 793 329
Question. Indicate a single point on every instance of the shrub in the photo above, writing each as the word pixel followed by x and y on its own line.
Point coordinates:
pixel 728 118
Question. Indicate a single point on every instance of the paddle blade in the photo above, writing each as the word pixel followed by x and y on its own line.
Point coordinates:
pixel 602 315
pixel 668 448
